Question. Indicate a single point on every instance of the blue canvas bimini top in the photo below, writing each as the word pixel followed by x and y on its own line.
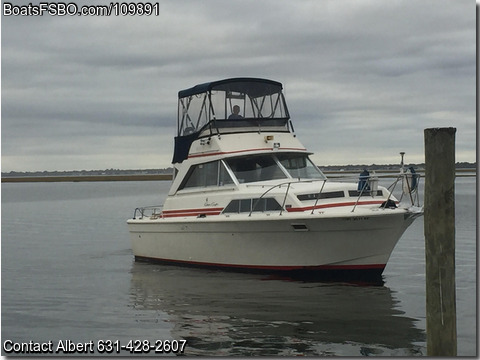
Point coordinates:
pixel 253 87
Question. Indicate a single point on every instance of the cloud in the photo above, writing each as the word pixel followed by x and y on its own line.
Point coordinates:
pixel 368 77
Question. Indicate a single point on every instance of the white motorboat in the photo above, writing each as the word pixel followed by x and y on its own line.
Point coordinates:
pixel 246 196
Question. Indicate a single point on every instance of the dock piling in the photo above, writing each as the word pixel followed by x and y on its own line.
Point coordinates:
pixel 439 207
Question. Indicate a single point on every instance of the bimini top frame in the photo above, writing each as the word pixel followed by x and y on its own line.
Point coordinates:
pixel 255 99
pixel 227 106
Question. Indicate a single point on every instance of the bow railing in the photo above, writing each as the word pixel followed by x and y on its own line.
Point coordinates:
pixel 148 211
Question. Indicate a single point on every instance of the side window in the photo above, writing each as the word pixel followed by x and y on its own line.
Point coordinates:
pixel 205 175
pixel 258 204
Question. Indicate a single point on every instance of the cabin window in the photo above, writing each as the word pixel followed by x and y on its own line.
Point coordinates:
pixel 299 166
pixel 206 175
pixel 325 195
pixel 356 193
pixel 255 168
pixel 258 205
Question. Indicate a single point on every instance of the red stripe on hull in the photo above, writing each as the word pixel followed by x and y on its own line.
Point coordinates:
pixel 191 212
pixel 240 151
pixel 300 209
pixel 218 211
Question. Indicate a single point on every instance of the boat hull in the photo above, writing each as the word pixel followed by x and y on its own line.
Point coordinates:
pixel 301 243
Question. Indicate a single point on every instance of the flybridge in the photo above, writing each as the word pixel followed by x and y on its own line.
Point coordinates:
pixel 236 105
pixel 230 99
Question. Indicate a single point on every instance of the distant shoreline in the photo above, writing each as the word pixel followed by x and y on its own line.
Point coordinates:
pixel 82 178
pixel 164 177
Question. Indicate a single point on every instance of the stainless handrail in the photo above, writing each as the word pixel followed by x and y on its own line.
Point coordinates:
pixel 288 183
pixel 391 188
pixel 142 210
pixel 318 197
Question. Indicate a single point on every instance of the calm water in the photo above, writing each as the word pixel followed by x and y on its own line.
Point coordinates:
pixel 68 274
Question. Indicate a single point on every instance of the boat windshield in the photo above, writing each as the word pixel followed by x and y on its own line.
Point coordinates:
pixel 300 166
pixel 268 167
pixel 255 168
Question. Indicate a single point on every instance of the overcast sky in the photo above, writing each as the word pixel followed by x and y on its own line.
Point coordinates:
pixel 363 79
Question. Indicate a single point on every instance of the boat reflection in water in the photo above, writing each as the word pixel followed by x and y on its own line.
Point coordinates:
pixel 226 314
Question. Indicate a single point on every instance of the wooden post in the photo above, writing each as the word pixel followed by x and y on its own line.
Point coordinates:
pixel 440 241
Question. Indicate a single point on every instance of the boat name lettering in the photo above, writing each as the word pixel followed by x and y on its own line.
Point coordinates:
pixel 210 204
pixel 357 218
